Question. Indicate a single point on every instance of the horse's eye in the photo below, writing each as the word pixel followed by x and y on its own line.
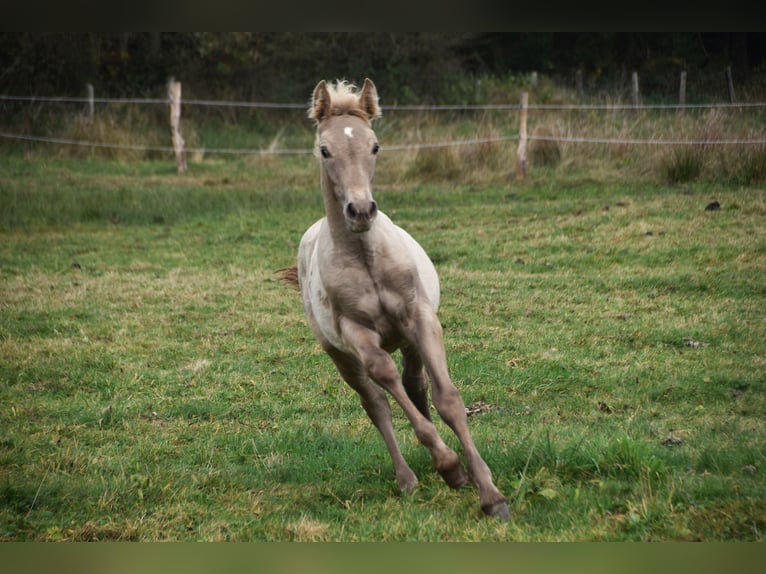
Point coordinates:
pixel 375 148
pixel 325 152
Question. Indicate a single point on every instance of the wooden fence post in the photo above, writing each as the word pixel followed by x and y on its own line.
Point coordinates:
pixel 521 152
pixel 682 90
pixel 635 89
pixel 91 105
pixel 174 95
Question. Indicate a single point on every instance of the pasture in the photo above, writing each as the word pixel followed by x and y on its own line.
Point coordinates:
pixel 158 382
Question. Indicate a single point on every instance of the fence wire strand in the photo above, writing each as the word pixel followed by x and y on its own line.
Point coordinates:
pixel 393 147
pixel 392 107
pixel 395 107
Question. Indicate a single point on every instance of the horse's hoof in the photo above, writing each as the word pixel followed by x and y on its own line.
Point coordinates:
pixel 409 488
pixel 407 483
pixel 498 510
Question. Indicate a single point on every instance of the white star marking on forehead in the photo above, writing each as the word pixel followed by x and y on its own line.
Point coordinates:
pixel 349 132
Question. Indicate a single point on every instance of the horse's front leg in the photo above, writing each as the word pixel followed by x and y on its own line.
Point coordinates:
pixel 451 409
pixel 381 368
pixel 376 406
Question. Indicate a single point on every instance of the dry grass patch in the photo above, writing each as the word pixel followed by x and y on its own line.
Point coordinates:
pixel 308 530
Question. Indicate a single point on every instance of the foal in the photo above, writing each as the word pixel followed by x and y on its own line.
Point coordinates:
pixel 368 288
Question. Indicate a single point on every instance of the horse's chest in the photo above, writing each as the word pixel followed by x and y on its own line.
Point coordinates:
pixel 376 302
pixel 378 287
pixel 379 299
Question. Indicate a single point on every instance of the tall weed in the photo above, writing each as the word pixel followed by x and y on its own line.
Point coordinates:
pixel 710 158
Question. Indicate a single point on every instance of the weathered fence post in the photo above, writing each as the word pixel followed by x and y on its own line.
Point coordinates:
pixel 91 105
pixel 635 89
pixel 682 90
pixel 174 95
pixel 521 152
pixel 730 84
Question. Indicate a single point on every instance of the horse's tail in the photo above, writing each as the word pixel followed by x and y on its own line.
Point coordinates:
pixel 289 275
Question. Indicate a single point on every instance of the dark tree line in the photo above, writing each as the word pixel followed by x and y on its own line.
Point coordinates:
pixel 422 66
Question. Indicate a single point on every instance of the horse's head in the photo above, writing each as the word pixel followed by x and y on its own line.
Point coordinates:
pixel 346 147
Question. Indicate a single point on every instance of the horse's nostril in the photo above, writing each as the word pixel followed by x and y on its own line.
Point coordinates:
pixel 355 211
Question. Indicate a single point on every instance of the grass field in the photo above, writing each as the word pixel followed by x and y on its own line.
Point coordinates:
pixel 157 382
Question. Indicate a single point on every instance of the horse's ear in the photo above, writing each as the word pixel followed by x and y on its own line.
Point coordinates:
pixel 368 99
pixel 320 102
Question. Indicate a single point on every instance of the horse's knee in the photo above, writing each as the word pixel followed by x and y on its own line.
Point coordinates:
pixel 380 367
pixel 449 403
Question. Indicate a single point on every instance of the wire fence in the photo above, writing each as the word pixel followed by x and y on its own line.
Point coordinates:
pixel 394 107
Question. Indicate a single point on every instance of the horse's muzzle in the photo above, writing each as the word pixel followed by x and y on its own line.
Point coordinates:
pixel 360 215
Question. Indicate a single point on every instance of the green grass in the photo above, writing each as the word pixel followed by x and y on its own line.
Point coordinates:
pixel 157 382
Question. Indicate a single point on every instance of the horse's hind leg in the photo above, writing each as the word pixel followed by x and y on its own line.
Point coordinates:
pixel 414 379
pixel 376 406
pixel 416 386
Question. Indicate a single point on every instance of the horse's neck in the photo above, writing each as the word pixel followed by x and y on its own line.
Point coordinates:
pixel 333 210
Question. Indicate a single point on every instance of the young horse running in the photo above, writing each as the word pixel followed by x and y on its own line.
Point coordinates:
pixel 368 289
